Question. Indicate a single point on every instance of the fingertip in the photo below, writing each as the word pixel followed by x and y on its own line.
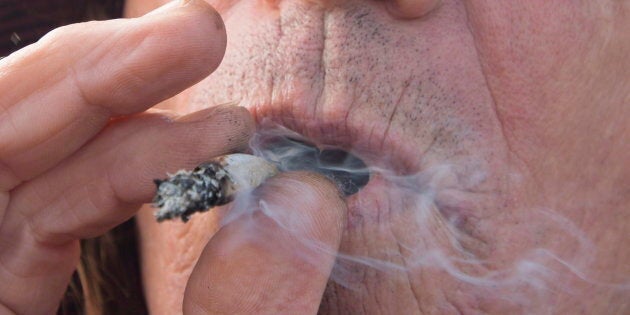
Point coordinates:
pixel 151 58
pixel 322 214
pixel 279 258
pixel 189 38
pixel 209 31
pixel 203 22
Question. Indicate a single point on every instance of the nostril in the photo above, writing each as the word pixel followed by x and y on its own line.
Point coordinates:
pixel 348 171
pixel 411 9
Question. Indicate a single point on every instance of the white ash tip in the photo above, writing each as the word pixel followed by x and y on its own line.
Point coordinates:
pixel 210 184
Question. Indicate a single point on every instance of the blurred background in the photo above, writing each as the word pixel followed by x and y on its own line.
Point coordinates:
pixel 23 22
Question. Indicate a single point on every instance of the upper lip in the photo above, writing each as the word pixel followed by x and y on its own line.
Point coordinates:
pixel 377 149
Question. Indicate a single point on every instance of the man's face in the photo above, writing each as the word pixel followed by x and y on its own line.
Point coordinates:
pixel 496 131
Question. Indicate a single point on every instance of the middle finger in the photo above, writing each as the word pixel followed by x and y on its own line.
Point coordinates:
pixel 61 91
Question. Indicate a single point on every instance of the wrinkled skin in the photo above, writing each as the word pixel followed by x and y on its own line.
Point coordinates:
pixel 502 128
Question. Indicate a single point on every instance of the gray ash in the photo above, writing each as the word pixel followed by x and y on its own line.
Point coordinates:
pixel 217 182
pixel 187 192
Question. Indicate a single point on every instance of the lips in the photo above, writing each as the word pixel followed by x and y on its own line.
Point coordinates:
pixel 377 149
pixel 396 94
pixel 413 108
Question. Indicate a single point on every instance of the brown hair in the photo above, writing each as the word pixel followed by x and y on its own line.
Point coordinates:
pixel 107 280
pixel 24 22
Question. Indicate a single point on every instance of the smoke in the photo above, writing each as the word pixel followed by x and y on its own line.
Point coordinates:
pixel 408 228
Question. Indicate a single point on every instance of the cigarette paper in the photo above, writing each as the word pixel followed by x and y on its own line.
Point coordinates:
pixel 210 184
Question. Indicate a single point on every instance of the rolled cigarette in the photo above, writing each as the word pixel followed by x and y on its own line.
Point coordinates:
pixel 210 184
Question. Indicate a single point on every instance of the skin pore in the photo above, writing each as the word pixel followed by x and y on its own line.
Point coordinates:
pixel 497 131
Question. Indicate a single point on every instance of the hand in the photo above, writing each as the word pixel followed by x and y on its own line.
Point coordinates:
pixel 276 256
pixel 77 152
pixel 78 155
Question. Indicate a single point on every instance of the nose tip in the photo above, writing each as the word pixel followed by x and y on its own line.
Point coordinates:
pixel 411 9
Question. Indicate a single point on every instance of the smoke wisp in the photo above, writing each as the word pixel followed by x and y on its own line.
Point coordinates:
pixel 405 228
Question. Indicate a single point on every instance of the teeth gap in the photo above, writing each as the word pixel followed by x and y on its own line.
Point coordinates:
pixel 347 170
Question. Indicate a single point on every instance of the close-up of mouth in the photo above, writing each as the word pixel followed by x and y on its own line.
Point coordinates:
pixel 431 145
pixel 314 156
pixel 441 209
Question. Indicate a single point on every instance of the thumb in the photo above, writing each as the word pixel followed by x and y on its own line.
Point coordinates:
pixel 277 257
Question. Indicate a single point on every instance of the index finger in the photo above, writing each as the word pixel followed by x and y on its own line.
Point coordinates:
pixel 61 91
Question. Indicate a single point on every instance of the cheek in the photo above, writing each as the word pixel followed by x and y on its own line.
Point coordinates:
pixel 531 52
pixel 169 251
